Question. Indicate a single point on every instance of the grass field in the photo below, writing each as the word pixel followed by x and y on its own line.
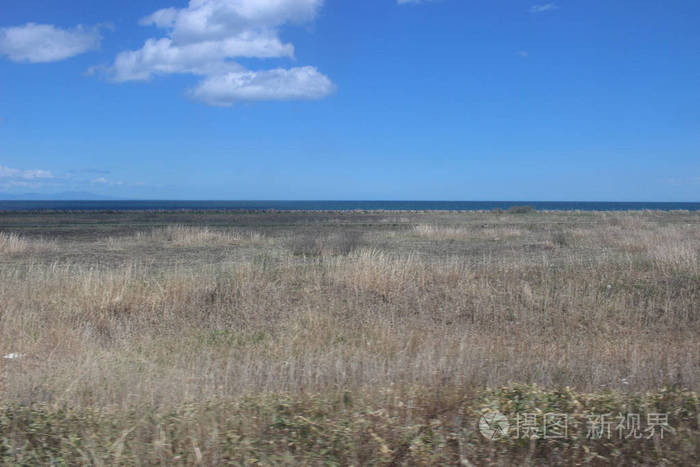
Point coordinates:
pixel 345 338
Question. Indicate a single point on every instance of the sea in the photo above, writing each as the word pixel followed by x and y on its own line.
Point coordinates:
pixel 141 205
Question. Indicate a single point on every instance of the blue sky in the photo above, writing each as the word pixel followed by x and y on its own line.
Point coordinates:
pixel 361 99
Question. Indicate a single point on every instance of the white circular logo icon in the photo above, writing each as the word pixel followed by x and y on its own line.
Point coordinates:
pixel 494 425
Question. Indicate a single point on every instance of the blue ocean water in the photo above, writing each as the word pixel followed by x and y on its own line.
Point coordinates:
pixel 337 205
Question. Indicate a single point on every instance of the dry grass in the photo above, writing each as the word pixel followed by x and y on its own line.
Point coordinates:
pixel 12 244
pixel 188 236
pixel 438 232
pixel 434 232
pixel 182 236
pixel 611 305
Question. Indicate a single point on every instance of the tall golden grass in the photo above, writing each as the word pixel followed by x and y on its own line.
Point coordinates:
pixel 608 306
pixel 12 243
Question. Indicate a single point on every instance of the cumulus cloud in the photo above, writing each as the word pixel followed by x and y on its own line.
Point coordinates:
pixel 205 20
pixel 40 43
pixel 208 36
pixel 8 172
pixel 161 56
pixel 278 84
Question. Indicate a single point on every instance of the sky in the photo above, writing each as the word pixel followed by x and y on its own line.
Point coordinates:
pixel 352 99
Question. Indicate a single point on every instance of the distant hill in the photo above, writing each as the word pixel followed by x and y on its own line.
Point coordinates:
pixel 62 196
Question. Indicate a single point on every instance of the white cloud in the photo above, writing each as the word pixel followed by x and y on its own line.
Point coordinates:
pixel 8 172
pixel 206 20
pixel 13 179
pixel 206 38
pixel 278 84
pixel 202 58
pixel 541 8
pixel 105 181
pixel 32 174
pixel 18 183
pixel 38 43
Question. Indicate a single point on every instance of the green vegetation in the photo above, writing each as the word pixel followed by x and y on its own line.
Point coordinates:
pixel 403 428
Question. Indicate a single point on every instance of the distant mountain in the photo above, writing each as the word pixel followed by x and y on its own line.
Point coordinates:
pixel 62 196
